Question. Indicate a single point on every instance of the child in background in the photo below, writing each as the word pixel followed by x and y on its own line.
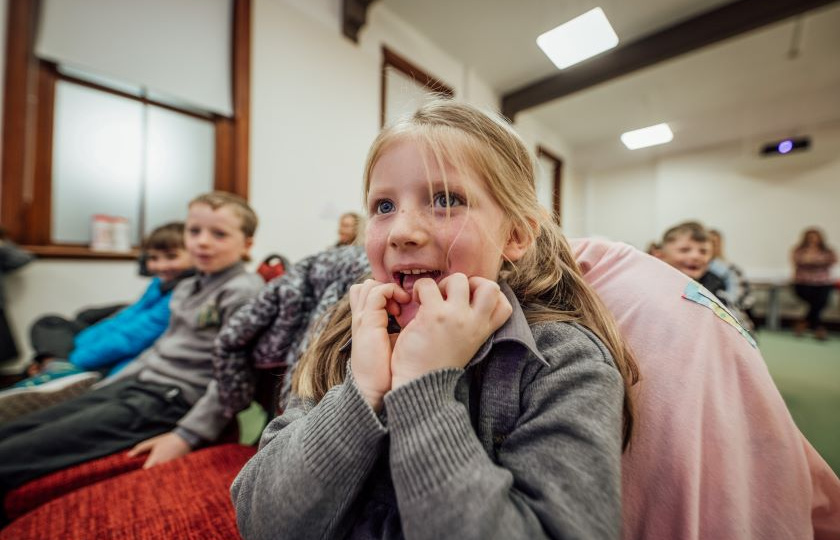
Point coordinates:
pixel 168 393
pixel 496 411
pixel 687 248
pixel 107 346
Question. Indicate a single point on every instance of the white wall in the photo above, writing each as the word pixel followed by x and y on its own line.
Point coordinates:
pixel 315 110
pixel 760 204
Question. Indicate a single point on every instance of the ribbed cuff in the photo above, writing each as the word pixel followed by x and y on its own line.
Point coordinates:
pixel 344 436
pixel 432 439
pixel 191 438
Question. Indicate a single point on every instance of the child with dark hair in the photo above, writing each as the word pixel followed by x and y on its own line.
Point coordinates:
pixel 64 370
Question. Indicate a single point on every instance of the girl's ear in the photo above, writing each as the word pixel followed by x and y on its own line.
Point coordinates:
pixel 519 241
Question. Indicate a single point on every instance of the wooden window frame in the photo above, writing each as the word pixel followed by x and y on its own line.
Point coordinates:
pixel 28 109
pixel 394 60
pixel 557 174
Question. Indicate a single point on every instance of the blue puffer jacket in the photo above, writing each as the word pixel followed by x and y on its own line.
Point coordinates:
pixel 115 341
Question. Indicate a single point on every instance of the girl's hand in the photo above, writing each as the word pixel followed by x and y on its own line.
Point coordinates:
pixel 161 449
pixel 370 356
pixel 455 317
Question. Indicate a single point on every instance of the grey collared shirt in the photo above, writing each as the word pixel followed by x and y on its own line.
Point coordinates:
pixel 523 443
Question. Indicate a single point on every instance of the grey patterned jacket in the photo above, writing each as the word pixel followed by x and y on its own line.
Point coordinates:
pixel 274 328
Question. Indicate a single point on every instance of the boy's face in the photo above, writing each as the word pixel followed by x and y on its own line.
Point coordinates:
pixel 686 255
pixel 167 264
pixel 214 238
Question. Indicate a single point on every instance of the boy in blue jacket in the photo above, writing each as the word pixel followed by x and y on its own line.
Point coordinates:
pixel 107 346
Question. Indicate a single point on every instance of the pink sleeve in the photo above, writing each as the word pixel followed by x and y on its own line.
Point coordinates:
pixel 715 452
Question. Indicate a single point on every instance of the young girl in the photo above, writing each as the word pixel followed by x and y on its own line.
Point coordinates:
pixel 496 410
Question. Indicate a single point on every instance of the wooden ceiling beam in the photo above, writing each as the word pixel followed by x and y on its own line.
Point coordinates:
pixel 354 17
pixel 689 35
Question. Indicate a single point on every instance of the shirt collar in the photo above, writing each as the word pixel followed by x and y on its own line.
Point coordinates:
pixel 515 330
pixel 203 280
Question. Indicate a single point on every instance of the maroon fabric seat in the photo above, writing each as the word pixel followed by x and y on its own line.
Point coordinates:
pixel 185 498
pixel 42 490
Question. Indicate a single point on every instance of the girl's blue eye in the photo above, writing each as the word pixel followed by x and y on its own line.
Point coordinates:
pixel 443 200
pixel 384 207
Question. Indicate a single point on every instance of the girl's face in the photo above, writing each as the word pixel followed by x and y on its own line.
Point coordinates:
pixel 812 238
pixel 410 236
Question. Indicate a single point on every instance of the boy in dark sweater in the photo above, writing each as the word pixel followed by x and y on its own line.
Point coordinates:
pixel 166 400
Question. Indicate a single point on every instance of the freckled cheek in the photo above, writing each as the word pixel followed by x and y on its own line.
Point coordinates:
pixel 375 243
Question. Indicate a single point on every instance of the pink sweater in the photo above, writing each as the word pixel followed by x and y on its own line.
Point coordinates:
pixel 715 452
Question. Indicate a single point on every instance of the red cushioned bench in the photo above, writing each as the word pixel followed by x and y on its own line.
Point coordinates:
pixel 187 498
pixel 113 497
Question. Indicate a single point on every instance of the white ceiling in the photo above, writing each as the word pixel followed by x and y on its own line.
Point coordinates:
pixel 744 89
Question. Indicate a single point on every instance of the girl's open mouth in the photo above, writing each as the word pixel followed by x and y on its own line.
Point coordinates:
pixel 407 278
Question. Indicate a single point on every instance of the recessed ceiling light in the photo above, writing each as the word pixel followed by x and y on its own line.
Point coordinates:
pixel 649 136
pixel 578 39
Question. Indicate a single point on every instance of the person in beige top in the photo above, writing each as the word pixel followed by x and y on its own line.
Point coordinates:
pixel 812 259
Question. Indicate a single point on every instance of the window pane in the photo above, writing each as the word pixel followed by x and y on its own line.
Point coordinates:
pixel 179 165
pixel 97 160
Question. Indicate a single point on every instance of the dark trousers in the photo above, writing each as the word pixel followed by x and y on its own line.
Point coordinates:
pixel 8 347
pixel 53 335
pixel 98 423
pixel 816 296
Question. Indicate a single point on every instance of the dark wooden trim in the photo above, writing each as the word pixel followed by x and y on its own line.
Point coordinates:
pixel 394 60
pixel 38 207
pixel 241 97
pixel 689 35
pixel 21 22
pixel 223 169
pixel 557 203
pixel 354 17
pixel 73 251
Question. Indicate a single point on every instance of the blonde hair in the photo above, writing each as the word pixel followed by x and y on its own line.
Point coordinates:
pixel 247 217
pixel 240 207
pixel 546 280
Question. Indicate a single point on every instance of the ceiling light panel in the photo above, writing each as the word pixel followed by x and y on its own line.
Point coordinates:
pixel 581 38
pixel 649 136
